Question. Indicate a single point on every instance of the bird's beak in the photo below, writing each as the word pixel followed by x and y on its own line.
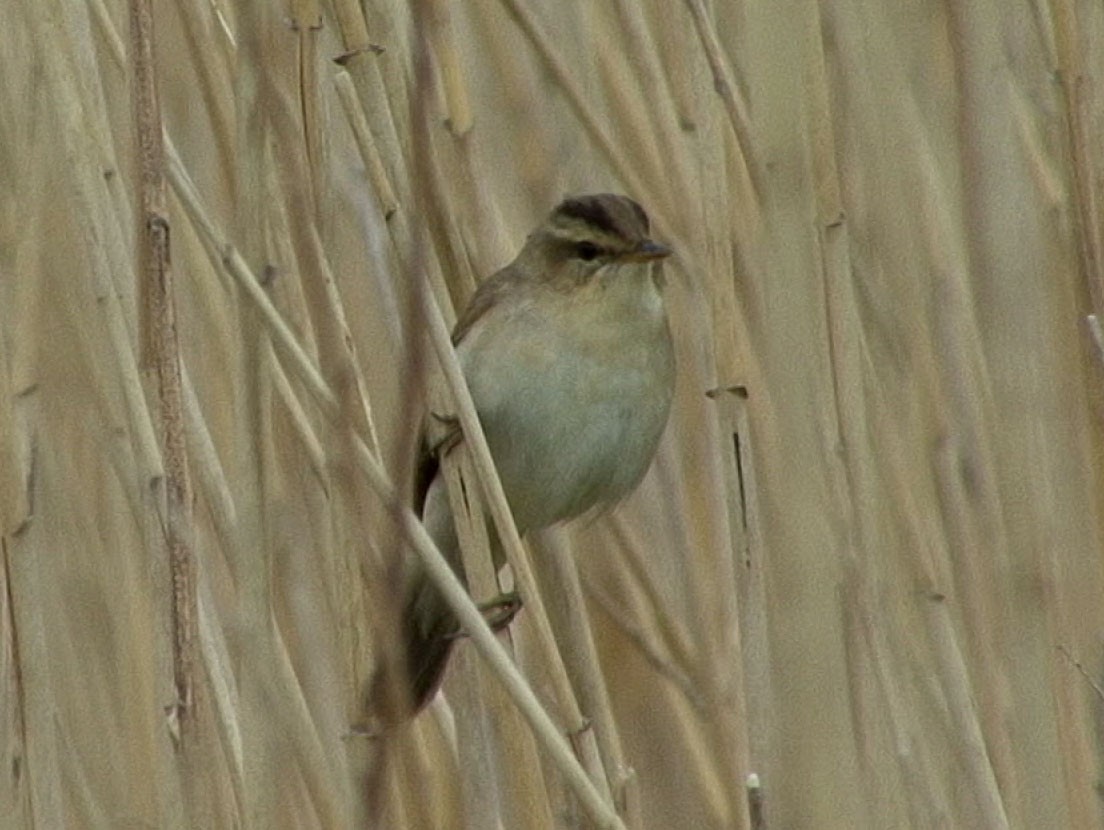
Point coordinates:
pixel 648 251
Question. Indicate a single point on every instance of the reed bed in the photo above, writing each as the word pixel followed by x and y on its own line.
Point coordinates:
pixel 861 586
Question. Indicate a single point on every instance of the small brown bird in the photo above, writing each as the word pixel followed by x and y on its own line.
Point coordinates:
pixel 568 357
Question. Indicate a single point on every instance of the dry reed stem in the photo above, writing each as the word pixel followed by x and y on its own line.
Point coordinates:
pixel 308 437
pixel 108 263
pixel 676 638
pixel 161 352
pixel 502 739
pixel 352 27
pixel 369 155
pixel 923 799
pixel 746 524
pixel 223 691
pixel 1078 761
pixel 381 96
pixel 296 722
pixel 756 802
pixel 213 63
pixel 850 356
pixel 471 699
pixel 967 568
pixel 205 462
pixel 872 664
pixel 360 571
pixel 250 563
pixel 558 573
pixel 654 85
pixel 442 39
pixel 1096 335
pixel 1071 74
pixel 1070 712
pixel 964 722
pixel 729 94
pixel 306 21
pixel 966 473
pixel 1088 678
pixel 711 584
pixel 558 67
pixel 627 106
pixel 359 59
pixel 644 641
pixel 338 357
pixel 234 263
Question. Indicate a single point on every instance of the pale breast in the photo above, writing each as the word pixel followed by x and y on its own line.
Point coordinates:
pixel 572 413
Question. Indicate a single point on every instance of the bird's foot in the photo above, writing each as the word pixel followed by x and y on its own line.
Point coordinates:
pixel 450 435
pixel 500 611
pixel 497 613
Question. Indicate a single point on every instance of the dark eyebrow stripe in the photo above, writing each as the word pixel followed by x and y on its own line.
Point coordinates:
pixel 639 211
pixel 590 211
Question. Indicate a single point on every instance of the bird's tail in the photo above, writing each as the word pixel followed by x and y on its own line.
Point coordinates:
pixel 429 631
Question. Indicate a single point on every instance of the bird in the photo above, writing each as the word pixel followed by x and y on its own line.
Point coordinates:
pixel 568 355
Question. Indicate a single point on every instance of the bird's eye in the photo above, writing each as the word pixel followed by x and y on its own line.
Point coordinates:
pixel 587 251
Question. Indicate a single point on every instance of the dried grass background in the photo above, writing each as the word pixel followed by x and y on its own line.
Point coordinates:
pixel 867 564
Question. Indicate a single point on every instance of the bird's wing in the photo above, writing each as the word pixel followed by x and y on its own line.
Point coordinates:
pixel 435 440
pixel 486 296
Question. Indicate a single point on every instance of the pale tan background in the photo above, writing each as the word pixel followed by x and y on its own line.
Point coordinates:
pixel 887 233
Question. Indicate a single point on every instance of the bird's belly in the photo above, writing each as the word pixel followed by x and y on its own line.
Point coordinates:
pixel 571 432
